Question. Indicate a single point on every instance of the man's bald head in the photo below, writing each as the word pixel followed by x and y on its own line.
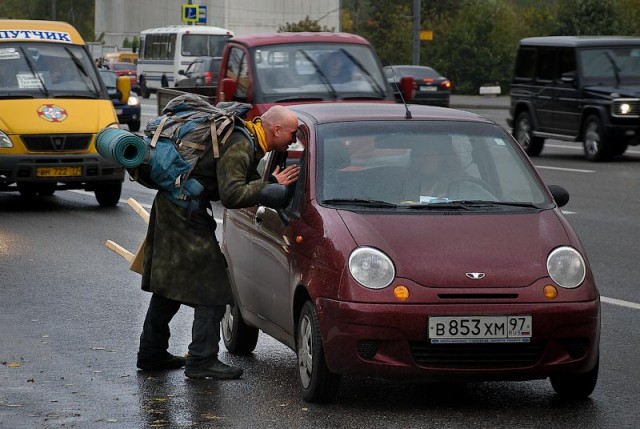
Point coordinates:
pixel 280 125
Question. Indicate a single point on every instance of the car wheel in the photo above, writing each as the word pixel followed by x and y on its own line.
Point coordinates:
pixel 164 81
pixel 27 190
pixel 108 194
pixel 46 189
pixel 239 338
pixel 576 386
pixel 317 382
pixel 143 88
pixel 595 147
pixel 523 133
pixel 134 126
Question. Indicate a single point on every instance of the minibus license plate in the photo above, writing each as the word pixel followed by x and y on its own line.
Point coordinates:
pixel 59 171
pixel 480 329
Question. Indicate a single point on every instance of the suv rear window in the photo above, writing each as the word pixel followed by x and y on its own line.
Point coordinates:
pixel 525 64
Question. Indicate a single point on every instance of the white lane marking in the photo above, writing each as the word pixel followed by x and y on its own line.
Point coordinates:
pixel 573 170
pixel 580 148
pixel 620 302
pixel 567 212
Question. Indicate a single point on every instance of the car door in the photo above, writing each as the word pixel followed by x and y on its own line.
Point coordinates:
pixel 567 107
pixel 272 246
pixel 543 90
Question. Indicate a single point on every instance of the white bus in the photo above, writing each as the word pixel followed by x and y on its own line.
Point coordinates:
pixel 165 50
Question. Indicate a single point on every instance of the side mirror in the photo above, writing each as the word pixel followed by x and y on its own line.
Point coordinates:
pixel 283 217
pixel 181 72
pixel 228 89
pixel 560 195
pixel 408 88
pixel 123 84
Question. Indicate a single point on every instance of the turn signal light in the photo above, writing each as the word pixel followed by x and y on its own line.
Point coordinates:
pixel 401 293
pixel 550 292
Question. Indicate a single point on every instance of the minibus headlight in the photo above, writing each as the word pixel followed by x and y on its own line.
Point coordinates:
pixel 5 141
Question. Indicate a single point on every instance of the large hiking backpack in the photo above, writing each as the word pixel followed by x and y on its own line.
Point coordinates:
pixel 179 138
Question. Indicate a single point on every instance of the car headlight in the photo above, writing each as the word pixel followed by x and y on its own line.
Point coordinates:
pixel 133 101
pixel 5 141
pixel 371 268
pixel 566 267
pixel 625 108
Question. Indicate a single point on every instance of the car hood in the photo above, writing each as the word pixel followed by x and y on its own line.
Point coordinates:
pixel 55 116
pixel 622 90
pixel 439 250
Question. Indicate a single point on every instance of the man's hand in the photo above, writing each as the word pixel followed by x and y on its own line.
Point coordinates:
pixel 287 176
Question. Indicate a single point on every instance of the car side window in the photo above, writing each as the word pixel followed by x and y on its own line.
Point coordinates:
pixel 295 155
pixel 525 64
pixel 546 64
pixel 566 62
pixel 238 70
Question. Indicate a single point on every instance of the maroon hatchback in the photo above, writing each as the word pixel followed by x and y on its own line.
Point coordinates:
pixel 420 245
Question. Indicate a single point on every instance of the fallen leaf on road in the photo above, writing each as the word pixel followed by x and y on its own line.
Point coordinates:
pixel 13 364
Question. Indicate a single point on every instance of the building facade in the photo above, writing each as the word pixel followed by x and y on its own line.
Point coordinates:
pixel 120 19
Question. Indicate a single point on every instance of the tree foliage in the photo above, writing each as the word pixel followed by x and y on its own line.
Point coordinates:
pixel 307 24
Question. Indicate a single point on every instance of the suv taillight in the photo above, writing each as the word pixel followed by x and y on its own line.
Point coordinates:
pixel 208 78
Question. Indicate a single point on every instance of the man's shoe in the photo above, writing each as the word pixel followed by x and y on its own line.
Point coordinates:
pixel 216 369
pixel 168 361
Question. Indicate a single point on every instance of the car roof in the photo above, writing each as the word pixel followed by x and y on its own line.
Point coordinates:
pixel 579 41
pixel 359 111
pixel 251 40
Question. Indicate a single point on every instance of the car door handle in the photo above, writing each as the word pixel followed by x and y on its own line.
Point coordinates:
pixel 260 215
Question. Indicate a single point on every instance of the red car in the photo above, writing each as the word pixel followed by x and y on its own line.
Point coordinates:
pixel 422 247
pixel 126 69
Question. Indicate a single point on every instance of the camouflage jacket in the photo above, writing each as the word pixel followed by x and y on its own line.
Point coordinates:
pixel 182 258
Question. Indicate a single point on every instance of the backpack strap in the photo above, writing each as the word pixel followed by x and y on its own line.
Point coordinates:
pixel 156 134
pixel 216 130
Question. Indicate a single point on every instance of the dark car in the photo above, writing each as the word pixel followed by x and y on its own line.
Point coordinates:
pixel 203 71
pixel 126 69
pixel 128 113
pixel 577 89
pixel 431 87
pixel 422 248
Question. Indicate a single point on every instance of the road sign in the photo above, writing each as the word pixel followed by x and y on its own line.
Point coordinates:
pixel 426 35
pixel 190 12
pixel 202 14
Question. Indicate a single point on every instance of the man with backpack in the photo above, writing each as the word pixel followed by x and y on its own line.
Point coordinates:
pixel 183 263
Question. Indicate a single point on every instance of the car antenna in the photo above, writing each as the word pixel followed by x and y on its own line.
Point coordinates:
pixel 407 112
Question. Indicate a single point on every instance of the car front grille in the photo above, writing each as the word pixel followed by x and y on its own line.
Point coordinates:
pixel 57 142
pixel 477 356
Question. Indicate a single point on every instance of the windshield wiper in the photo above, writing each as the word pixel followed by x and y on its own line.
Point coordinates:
pixel 34 71
pixel 616 69
pixel 76 95
pixel 359 202
pixel 297 98
pixel 443 205
pixel 320 73
pixel 80 67
pixel 370 78
pixel 479 203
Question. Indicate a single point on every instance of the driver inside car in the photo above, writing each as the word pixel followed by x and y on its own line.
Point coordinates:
pixel 437 175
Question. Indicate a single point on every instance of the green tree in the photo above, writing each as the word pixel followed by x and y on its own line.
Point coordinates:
pixel 587 17
pixel 135 44
pixel 307 24
pixel 386 29
pixel 126 43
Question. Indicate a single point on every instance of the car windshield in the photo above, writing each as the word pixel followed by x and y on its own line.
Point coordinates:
pixel 109 78
pixel 600 65
pixel 416 164
pixel 318 71
pixel 47 70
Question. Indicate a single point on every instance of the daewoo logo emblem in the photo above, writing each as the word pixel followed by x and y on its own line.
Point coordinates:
pixel 475 276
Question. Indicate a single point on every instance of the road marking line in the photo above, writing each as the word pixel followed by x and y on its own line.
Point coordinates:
pixel 620 302
pixel 573 170
pixel 567 212
pixel 580 148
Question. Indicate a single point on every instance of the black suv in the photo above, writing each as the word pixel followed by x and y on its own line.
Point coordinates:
pixel 579 89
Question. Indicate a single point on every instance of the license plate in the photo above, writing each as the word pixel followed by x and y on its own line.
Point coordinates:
pixel 428 88
pixel 59 171
pixel 480 329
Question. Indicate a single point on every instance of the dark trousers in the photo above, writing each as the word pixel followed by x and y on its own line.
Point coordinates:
pixel 205 332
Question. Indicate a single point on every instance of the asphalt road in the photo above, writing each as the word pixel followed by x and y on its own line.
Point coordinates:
pixel 71 314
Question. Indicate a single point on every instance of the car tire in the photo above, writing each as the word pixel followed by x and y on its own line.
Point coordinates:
pixel 318 384
pixel 144 91
pixel 596 148
pixel 619 148
pixel 27 190
pixel 523 132
pixel 239 338
pixel 164 81
pixel 108 194
pixel 46 189
pixel 577 386
pixel 134 126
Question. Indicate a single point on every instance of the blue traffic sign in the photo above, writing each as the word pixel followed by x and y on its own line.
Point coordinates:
pixel 190 13
pixel 202 11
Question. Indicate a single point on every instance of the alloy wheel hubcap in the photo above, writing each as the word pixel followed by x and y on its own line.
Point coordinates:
pixel 591 139
pixel 523 133
pixel 227 324
pixel 305 352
